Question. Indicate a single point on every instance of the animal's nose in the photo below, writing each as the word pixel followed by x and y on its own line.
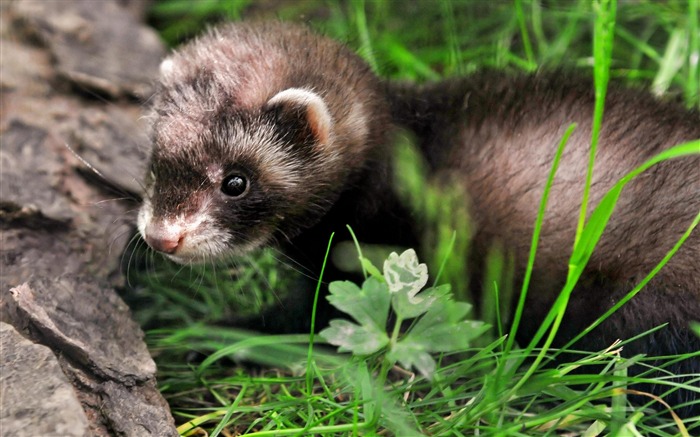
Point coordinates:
pixel 162 240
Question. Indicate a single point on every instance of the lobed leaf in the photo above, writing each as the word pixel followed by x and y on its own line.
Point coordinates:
pixel 407 307
pixel 358 339
pixel 413 355
pixel 404 274
pixel 442 328
pixel 368 305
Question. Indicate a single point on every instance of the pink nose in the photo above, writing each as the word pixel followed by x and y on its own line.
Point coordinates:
pixel 162 240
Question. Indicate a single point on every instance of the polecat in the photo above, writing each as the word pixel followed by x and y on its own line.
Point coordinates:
pixel 267 133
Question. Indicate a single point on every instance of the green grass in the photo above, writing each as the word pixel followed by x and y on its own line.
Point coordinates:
pixel 492 388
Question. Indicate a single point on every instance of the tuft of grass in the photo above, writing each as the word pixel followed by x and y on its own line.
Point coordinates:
pixel 228 381
pixel 366 394
pixel 167 294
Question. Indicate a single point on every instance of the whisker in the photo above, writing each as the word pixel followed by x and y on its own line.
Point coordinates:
pixel 256 268
pixel 293 264
pixel 113 240
pixel 110 183
pixel 84 162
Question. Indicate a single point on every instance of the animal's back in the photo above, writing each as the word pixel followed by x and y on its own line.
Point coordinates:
pixel 498 135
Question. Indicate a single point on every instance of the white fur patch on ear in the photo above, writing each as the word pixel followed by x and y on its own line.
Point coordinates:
pixel 167 67
pixel 316 110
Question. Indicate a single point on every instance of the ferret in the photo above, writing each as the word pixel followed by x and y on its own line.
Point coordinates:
pixel 268 134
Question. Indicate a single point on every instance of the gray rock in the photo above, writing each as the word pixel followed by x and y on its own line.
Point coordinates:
pixel 36 399
pixel 28 252
pixel 89 324
pixel 29 180
pixel 132 412
pixel 114 144
pixel 63 227
pixel 94 44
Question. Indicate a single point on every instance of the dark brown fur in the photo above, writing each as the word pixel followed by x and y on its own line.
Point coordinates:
pixel 497 134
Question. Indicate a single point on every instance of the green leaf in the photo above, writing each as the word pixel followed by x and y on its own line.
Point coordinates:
pixel 405 277
pixel 369 305
pixel 409 307
pixel 404 274
pixel 442 329
pixel 350 337
pixel 413 355
pixel 444 310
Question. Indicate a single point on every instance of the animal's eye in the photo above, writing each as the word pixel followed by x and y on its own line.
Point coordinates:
pixel 234 185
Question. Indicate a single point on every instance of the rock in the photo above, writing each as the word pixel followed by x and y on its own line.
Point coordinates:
pixel 89 324
pixel 101 348
pixel 94 46
pixel 135 412
pixel 64 226
pixel 29 181
pixel 114 144
pixel 28 252
pixel 36 398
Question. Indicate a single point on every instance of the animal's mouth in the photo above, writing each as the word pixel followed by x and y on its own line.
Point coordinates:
pixel 186 260
pixel 221 255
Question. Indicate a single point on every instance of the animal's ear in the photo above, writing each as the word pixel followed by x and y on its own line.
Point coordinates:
pixel 302 116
